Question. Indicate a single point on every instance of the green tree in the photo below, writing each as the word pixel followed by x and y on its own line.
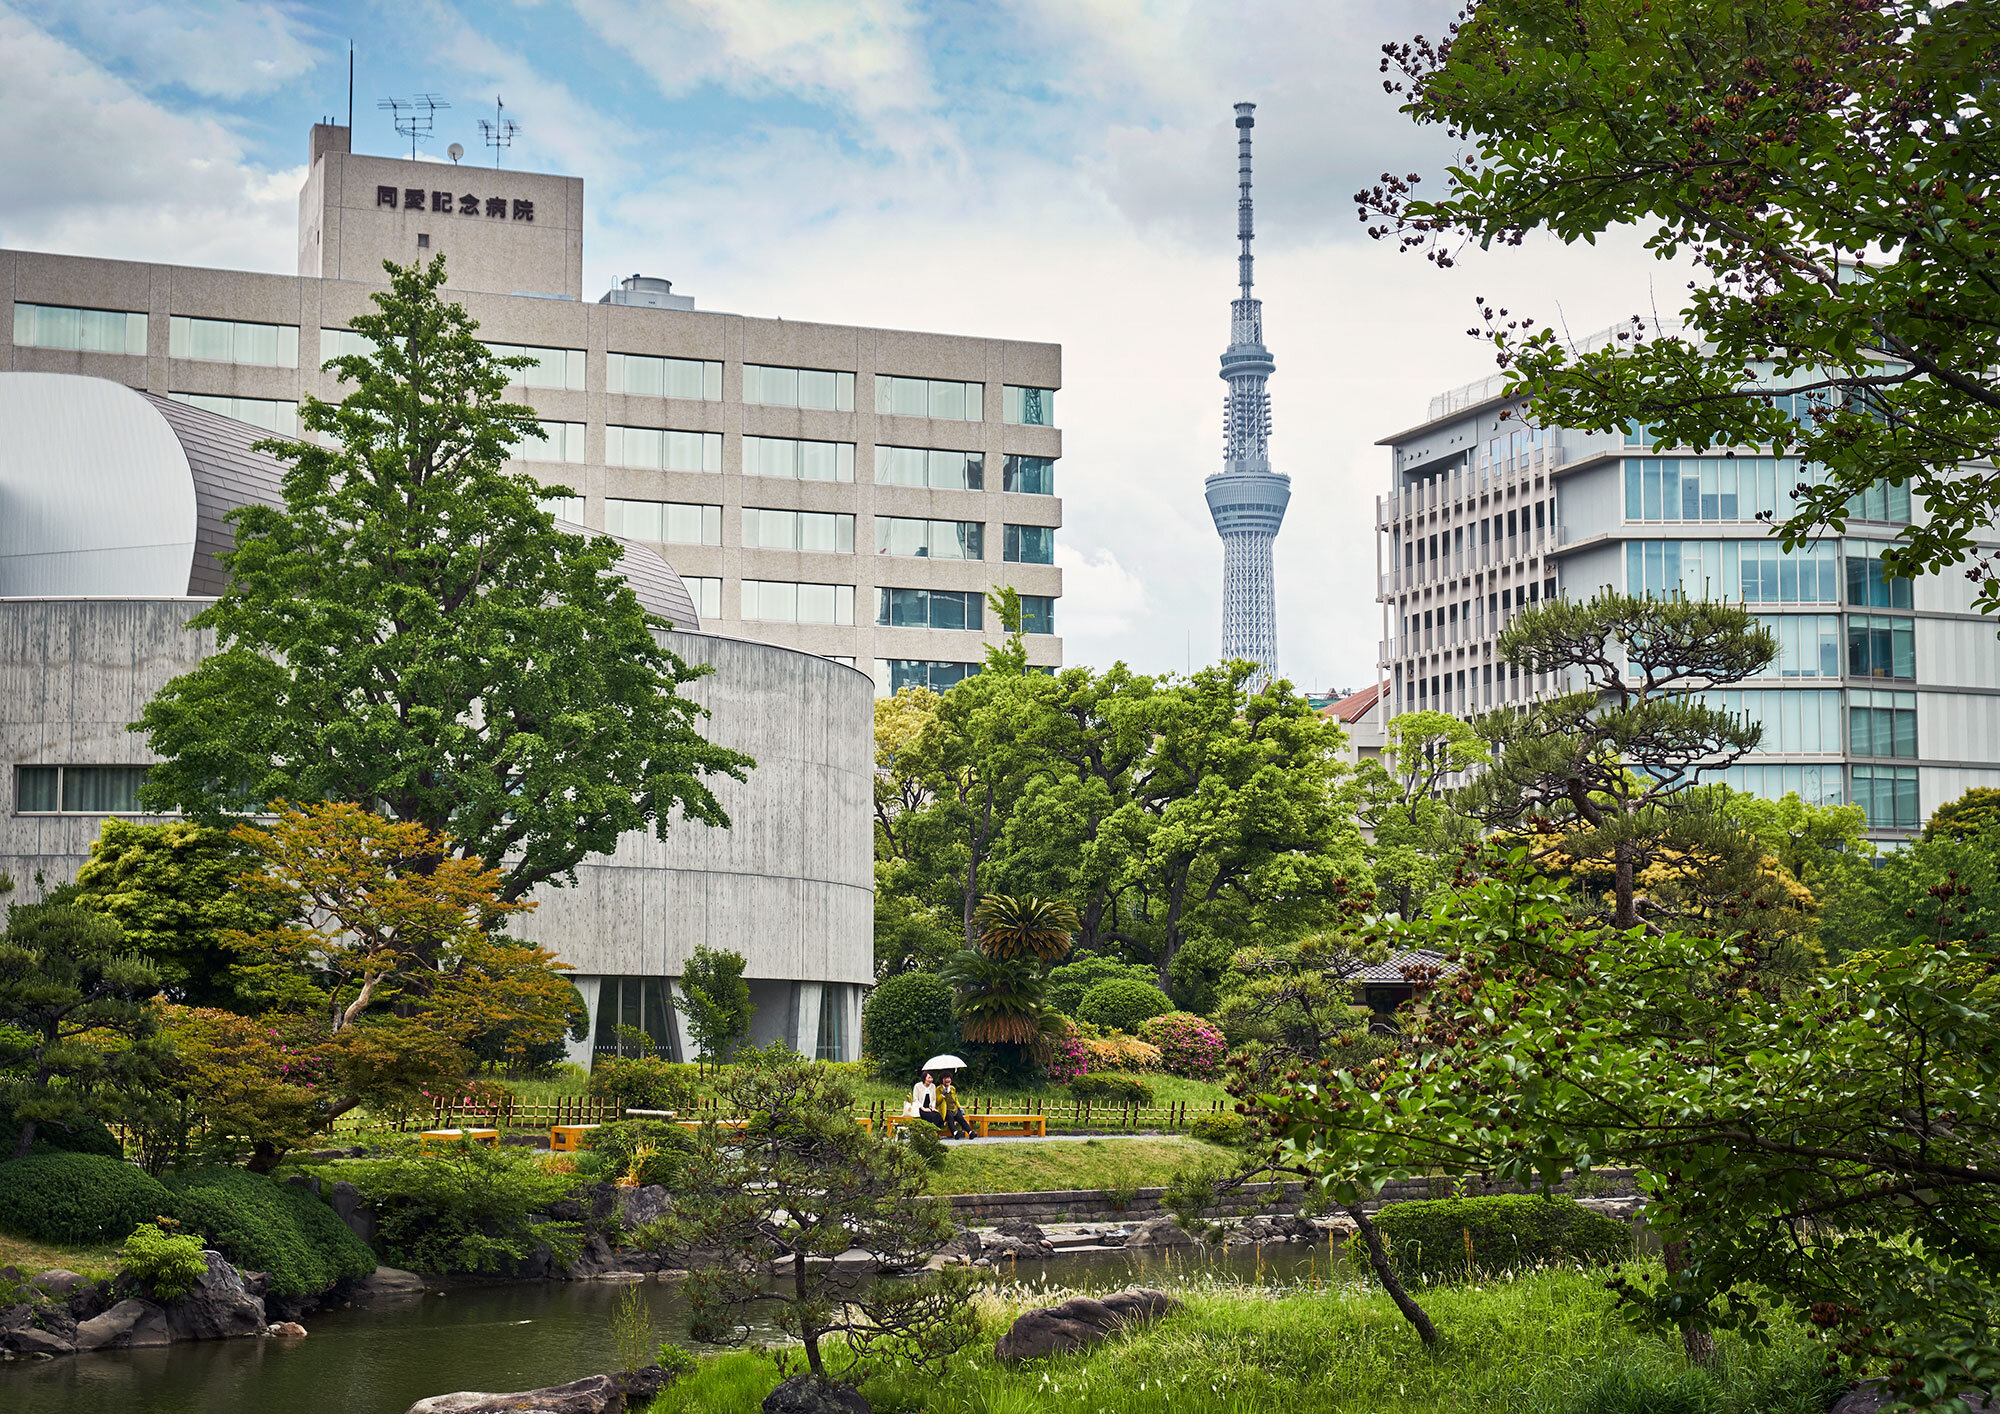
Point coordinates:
pixel 75 1029
pixel 800 1185
pixel 1404 800
pixel 411 632
pixel 1610 759
pixel 1972 815
pixel 1001 982
pixel 172 888
pixel 716 1001
pixel 1827 165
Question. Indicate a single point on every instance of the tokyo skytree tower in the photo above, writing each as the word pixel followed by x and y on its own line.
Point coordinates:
pixel 1246 498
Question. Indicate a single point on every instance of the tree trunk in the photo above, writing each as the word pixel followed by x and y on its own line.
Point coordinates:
pixel 27 1139
pixel 264 1157
pixel 1378 1259
pixel 1697 1343
pixel 1627 915
pixel 807 1333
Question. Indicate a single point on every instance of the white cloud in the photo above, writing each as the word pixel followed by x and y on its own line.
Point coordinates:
pixel 1103 602
pixel 216 48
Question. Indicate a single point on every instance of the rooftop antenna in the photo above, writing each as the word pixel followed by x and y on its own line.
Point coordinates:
pixel 350 90
pixel 500 132
pixel 415 118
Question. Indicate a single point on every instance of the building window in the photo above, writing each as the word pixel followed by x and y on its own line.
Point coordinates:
pixel 706 593
pixel 655 449
pixel 940 471
pixel 1882 501
pixel 49 326
pixel 78 790
pixel 551 442
pixel 789 459
pixel 892 675
pixel 664 522
pixel 1816 785
pixel 267 413
pixel 1867 586
pixel 344 343
pixel 423 241
pixel 1795 723
pixel 832 1042
pixel 1808 644
pixel 930 539
pixel 1030 476
pixel 1031 407
pixel 1752 571
pixel 642 375
pixel 1889 796
pixel 1038 613
pixel 548 368
pixel 930 397
pixel 824 532
pixel 1881 646
pixel 569 508
pixel 230 341
pixel 930 608
pixel 774 601
pixel 820 388
pixel 628 1006
pixel 1882 723
pixel 1030 544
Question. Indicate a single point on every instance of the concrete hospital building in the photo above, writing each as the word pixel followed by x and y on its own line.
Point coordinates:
pixel 818 509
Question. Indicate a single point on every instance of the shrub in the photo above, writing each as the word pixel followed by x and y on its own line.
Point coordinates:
pixel 644 1083
pixel 265 1226
pixel 926 1143
pixel 1189 1045
pixel 1068 1057
pixel 1224 1129
pixel 1067 984
pixel 1120 1053
pixel 905 1021
pixel 466 1210
pixel 167 1266
pixel 1452 1239
pixel 1123 1004
pixel 82 1199
pixel 618 1145
pixel 79 1135
pixel 1118 1089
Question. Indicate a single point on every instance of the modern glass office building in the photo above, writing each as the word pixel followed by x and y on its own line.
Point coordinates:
pixel 1885 691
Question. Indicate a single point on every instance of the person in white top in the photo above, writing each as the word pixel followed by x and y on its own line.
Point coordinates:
pixel 923 1101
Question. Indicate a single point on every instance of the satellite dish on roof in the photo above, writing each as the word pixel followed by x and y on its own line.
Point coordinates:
pixel 455 151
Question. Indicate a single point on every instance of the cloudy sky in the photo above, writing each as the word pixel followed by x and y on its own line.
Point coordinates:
pixel 1059 170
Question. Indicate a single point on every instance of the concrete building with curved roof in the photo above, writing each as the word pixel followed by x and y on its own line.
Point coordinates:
pixel 113 507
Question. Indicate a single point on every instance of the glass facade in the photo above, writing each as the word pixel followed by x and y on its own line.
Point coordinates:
pixel 1882 502
pixel 268 413
pixel 1882 723
pixel 892 675
pixel 930 539
pixel 774 601
pixel 656 449
pixel 664 522
pixel 1031 407
pixel 78 790
pixel 1030 545
pixel 551 368
pixel 1808 644
pixel 930 397
pixel 552 442
pixel 820 388
pixel 831 1044
pixel 1038 613
pixel 1814 784
pixel 919 466
pixel 48 326
pixel 644 376
pixel 706 593
pixel 930 608
pixel 1889 795
pixel 1029 476
pixel 1708 488
pixel 1867 585
pixel 1752 571
pixel 1795 722
pixel 825 532
pixel 231 341
pixel 634 1004
pixel 1881 646
pixel 793 460
pixel 569 508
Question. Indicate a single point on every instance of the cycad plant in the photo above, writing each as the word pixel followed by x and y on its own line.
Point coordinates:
pixel 1012 927
pixel 999 983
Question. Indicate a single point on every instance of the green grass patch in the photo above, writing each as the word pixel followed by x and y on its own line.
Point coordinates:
pixel 30 1257
pixel 1545 1343
pixel 1024 1166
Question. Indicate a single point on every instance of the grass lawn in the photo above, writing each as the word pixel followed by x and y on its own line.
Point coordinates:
pixel 1023 1166
pixel 1546 1343
pixel 30 1257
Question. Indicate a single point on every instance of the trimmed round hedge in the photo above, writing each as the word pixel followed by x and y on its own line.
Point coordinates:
pixel 265 1226
pixel 81 1199
pixel 86 1135
pixel 1428 1241
pixel 905 1020
pixel 1123 1004
pixel 643 1082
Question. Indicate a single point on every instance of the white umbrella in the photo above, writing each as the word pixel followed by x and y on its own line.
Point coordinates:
pixel 944 1063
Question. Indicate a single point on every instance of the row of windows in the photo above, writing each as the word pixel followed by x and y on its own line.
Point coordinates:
pixel 233 341
pixel 828 532
pixel 942 398
pixel 892 675
pixel 552 442
pixel 1029 545
pixel 1882 723
pixel 1867 585
pixel 688 523
pixel 267 413
pixel 89 790
pixel 1795 723
pixel 1878 646
pixel 793 460
pixel 1881 646
pixel 955 609
pixel 1749 571
pixel 654 449
pixel 648 377
pixel 549 368
pixel 939 470
pixel 1889 796
pixel 773 601
pixel 1708 488
pixel 798 387
pixel 84 330
pixel 930 539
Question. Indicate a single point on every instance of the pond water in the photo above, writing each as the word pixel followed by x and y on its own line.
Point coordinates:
pixel 382 1359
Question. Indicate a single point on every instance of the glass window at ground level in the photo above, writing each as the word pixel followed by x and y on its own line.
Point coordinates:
pixel 832 1041
pixel 629 1005
pixel 892 675
pixel 1031 407
pixel 1881 646
pixel 1030 476
pixel 1882 723
pixel 664 522
pixel 46 326
pixel 1031 544
pixel 1038 613
pixel 233 341
pixel 929 608
pixel 1889 795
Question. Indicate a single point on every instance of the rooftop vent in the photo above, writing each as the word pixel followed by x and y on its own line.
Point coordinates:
pixel 647 292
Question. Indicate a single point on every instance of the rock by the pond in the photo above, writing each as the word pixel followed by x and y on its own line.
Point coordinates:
pixel 1870 1396
pixel 1017 1237
pixel 802 1394
pixel 351 1208
pixel 130 1323
pixel 1282 1227
pixel 1081 1321
pixel 1159 1232
pixel 218 1307
pixel 33 1340
pixel 59 1283
pixel 291 1329
pixel 388 1281
pixel 639 1206
pixel 593 1394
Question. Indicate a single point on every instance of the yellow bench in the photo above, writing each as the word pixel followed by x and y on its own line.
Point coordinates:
pixel 1023 1124
pixel 568 1138
pixel 430 1138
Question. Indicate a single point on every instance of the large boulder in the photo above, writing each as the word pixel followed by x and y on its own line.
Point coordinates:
pixel 803 1394
pixel 386 1281
pixel 59 1283
pixel 1017 1237
pixel 219 1306
pixel 1281 1227
pixel 593 1394
pixel 1159 1232
pixel 351 1208
pixel 130 1323
pixel 639 1206
pixel 33 1340
pixel 1081 1321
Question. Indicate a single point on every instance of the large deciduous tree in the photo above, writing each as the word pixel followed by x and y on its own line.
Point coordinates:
pixel 1830 166
pixel 410 630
